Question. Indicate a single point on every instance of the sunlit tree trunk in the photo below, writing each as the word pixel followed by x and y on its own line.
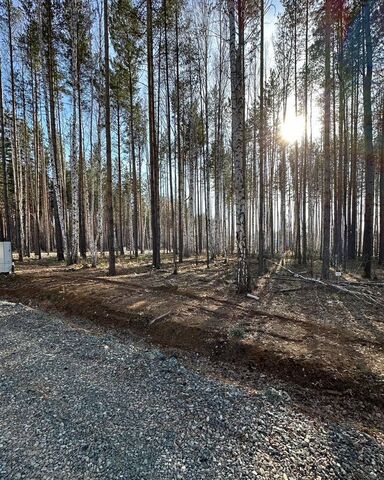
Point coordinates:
pixel 74 249
pixel 135 213
pixel 37 169
pixel 7 220
pixel 107 101
pixel 15 147
pixel 82 183
pixel 173 223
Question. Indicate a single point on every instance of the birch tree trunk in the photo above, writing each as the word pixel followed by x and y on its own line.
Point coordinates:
pixel 238 138
pixel 74 249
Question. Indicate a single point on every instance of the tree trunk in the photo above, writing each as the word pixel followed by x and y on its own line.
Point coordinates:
pixel 327 152
pixel 261 146
pixel 180 169
pixel 15 149
pixel 154 161
pixel 381 239
pixel 304 187
pixel 7 234
pixel 107 101
pixel 368 145
pixel 173 226
pixel 120 194
pixel 61 236
pixel 75 194
pixel 238 139
pixel 135 216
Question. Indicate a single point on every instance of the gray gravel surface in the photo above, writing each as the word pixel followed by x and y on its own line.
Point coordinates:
pixel 80 404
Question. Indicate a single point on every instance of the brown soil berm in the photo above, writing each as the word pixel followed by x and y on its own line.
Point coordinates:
pixel 326 341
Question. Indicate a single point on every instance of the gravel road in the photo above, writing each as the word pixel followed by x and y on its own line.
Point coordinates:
pixel 83 404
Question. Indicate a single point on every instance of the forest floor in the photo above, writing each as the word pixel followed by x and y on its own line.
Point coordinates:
pixel 303 332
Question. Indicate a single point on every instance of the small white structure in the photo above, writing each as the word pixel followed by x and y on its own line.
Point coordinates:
pixel 6 264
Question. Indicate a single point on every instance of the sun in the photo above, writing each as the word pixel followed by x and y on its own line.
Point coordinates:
pixel 293 128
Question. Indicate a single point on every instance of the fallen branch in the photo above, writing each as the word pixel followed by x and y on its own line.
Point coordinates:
pixel 159 318
pixel 249 295
pixel 362 284
pixel 360 295
pixel 292 289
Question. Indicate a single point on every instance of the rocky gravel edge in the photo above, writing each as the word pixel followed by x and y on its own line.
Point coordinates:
pixel 76 404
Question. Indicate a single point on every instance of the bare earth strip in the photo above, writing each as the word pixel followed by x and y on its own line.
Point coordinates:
pixel 302 333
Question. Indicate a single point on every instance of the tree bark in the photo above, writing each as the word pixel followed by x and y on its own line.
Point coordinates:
pixel 327 152
pixel 261 146
pixel 154 161
pixel 7 234
pixel 107 101
pixel 381 238
pixel 368 145
pixel 15 153
pixel 238 139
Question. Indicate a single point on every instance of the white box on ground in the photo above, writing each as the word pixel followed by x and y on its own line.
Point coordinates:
pixel 5 257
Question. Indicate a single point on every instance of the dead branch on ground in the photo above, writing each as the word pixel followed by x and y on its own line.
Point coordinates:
pixel 361 295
